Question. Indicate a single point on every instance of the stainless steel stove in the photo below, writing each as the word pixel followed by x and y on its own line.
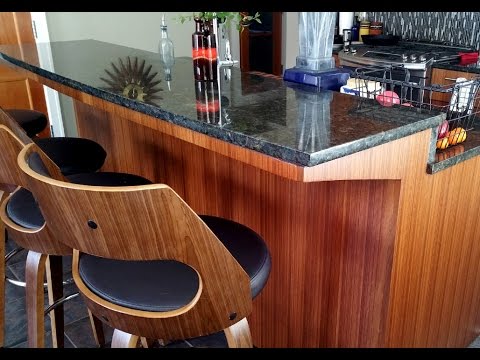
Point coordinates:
pixel 416 56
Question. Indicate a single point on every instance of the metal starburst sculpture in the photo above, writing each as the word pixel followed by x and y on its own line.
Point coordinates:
pixel 133 81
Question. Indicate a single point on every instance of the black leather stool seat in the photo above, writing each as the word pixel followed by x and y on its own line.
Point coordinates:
pixel 73 155
pixel 169 285
pixel 246 246
pixel 108 179
pixel 33 122
pixel 23 209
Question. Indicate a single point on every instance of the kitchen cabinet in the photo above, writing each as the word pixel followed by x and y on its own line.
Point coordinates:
pixel 448 77
pixel 260 44
pixel 368 249
pixel 337 61
pixel 17 91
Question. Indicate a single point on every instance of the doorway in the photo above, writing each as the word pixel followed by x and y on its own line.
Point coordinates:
pixel 16 90
pixel 261 44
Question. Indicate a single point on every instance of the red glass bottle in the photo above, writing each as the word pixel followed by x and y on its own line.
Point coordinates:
pixel 204 51
pixel 207 101
pixel 210 46
pixel 198 50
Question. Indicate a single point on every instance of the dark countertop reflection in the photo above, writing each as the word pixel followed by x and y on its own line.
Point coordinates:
pixel 455 66
pixel 292 123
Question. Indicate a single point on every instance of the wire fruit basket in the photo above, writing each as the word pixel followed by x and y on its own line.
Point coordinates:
pixel 394 85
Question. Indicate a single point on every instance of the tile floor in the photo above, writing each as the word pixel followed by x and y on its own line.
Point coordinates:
pixel 78 333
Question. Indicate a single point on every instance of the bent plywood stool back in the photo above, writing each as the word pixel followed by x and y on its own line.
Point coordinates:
pixel 147 222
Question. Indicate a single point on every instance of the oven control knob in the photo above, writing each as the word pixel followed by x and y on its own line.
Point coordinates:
pixel 422 58
pixel 404 57
pixel 413 57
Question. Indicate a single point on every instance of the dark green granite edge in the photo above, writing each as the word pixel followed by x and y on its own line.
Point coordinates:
pixel 435 167
pixel 457 67
pixel 433 147
pixel 293 156
pixel 377 139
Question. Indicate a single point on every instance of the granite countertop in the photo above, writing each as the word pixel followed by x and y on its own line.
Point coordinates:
pixel 471 68
pixel 293 123
pixel 471 147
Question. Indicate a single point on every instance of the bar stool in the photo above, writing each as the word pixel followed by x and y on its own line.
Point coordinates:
pixel 72 155
pixel 22 217
pixel 147 264
pixel 24 211
pixel 32 121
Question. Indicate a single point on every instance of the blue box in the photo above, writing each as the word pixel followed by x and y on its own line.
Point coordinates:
pixel 325 80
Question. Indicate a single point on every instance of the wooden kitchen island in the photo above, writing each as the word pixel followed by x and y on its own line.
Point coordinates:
pixel 368 249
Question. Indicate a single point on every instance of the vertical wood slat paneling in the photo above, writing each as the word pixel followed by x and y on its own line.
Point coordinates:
pixel 437 257
pixel 331 263
pixel 429 268
pixel 427 257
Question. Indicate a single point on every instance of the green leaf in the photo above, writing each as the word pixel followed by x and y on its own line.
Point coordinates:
pixel 224 17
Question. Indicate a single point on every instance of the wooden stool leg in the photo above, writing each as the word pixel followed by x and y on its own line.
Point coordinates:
pixel 34 277
pixel 122 339
pixel 147 343
pixel 55 292
pixel 2 284
pixel 238 335
pixel 97 327
pixel 3 238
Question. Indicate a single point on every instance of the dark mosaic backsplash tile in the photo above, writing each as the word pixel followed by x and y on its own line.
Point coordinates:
pixel 459 28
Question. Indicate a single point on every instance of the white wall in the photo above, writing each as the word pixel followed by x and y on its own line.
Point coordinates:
pixel 290 39
pixel 140 30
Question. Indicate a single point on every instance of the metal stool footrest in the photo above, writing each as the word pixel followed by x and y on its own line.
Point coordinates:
pixel 20 283
pixel 60 302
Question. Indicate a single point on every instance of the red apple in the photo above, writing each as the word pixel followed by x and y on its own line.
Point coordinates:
pixel 443 129
pixel 388 98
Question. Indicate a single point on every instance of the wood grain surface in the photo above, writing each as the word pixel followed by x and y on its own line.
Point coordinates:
pixel 349 256
pixel 16 90
pixel 444 77
pixel 34 277
pixel 291 216
pixel 149 222
pixel 367 250
pixel 2 279
pixel 13 139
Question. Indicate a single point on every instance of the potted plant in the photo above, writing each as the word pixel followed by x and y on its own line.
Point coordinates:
pixel 240 19
pixel 206 39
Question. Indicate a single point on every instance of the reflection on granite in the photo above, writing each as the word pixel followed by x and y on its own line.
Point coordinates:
pixel 132 80
pixel 455 66
pixel 207 101
pixel 291 123
pixel 471 68
pixel 458 153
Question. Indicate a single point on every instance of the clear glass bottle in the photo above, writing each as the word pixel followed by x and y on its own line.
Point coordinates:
pixel 166 50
